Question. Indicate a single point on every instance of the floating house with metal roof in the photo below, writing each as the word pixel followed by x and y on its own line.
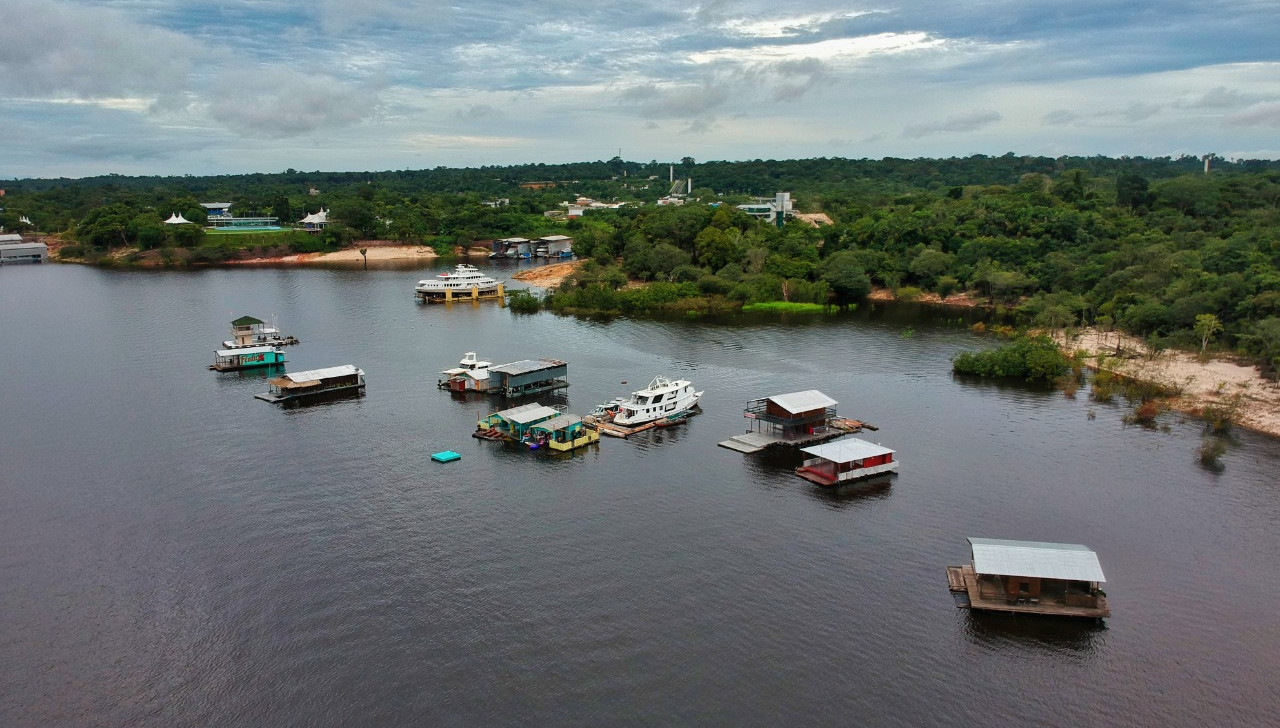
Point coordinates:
pixel 846 461
pixel 563 433
pixel 13 249
pixel 514 423
pixel 792 419
pixel 300 385
pixel 1030 577
pixel 228 360
pixel 248 331
pixel 529 376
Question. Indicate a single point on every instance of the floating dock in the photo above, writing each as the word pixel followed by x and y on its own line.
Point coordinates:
pixel 445 456
pixel 753 442
pixel 605 427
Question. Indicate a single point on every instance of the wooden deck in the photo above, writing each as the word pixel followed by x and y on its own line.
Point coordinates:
pixel 613 429
pixel 986 593
pixel 753 442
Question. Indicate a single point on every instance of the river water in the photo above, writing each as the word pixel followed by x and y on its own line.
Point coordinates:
pixel 174 552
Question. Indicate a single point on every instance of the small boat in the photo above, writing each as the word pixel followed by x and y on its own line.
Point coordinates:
pixel 471 374
pixel 229 360
pixel 663 397
pixel 300 385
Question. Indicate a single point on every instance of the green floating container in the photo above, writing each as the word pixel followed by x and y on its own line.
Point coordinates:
pixel 446 456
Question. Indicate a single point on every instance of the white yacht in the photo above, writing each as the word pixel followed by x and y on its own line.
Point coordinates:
pixel 469 363
pixel 662 398
pixel 461 281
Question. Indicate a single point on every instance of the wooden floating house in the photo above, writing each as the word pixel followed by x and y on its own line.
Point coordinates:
pixel 530 376
pixel 227 360
pixel 789 420
pixel 248 331
pixel 563 433
pixel 515 423
pixel 301 385
pixel 846 461
pixel 1030 577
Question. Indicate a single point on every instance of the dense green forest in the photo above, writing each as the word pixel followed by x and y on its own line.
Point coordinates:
pixel 1156 247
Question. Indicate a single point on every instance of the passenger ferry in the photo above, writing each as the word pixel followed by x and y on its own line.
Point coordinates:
pixel 465 281
pixel 299 385
pixel 662 398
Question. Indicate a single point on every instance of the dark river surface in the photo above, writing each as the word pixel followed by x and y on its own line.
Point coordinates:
pixel 174 552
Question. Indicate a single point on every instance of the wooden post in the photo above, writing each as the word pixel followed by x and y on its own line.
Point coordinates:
pixel 364 254
pixel 502 298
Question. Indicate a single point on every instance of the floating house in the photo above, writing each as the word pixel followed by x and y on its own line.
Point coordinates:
pixel 512 248
pixel 554 246
pixel 845 461
pixel 248 331
pixel 227 360
pixel 1030 577
pixel 530 376
pixel 514 423
pixel 301 385
pixel 14 250
pixel 793 419
pixel 563 433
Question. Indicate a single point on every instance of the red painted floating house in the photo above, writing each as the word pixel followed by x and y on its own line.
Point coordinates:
pixel 845 461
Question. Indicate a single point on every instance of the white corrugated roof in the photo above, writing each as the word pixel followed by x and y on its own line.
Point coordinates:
pixel 846 450
pixel 534 414
pixel 1035 559
pixel 556 423
pixel 345 370
pixel 247 350
pixel 810 399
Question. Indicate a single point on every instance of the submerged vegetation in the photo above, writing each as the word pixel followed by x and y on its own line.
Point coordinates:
pixel 1031 358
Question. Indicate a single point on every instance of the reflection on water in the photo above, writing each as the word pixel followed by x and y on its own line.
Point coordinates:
pixel 1001 632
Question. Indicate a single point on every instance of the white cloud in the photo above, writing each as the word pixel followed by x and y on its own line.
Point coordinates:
pixel 966 122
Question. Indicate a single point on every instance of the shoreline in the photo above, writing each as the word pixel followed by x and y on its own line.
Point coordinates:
pixel 1208 383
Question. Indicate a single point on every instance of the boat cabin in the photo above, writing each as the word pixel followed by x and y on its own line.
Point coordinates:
pixel 845 461
pixel 1030 576
pixel 250 331
pixel 226 360
pixel 529 376
pixel 314 382
pixel 514 423
pixel 564 433
pixel 791 416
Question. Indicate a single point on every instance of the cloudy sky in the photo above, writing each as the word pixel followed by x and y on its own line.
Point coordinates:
pixel 226 86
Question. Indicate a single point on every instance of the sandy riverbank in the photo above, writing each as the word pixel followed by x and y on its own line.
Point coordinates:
pixel 548 276
pixel 1202 383
pixel 378 253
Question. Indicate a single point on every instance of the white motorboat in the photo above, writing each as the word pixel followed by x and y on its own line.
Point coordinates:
pixel 662 398
pixel 461 280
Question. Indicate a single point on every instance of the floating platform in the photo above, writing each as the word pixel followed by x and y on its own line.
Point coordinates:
pixel 445 456
pixel 984 592
pixel 753 442
pixel 605 427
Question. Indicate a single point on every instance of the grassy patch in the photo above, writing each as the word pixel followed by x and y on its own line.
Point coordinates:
pixel 786 307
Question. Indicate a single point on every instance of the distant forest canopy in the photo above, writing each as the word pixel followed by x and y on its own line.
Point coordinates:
pixel 1155 247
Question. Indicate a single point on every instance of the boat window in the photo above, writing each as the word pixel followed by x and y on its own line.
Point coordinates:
pixel 657 399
